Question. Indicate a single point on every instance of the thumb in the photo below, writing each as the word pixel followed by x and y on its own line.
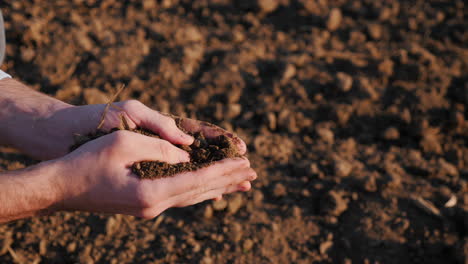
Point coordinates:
pixel 144 148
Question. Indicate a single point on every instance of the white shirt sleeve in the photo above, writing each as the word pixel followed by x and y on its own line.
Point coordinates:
pixel 4 75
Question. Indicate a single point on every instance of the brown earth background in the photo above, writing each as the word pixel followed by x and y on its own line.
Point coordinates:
pixel 354 112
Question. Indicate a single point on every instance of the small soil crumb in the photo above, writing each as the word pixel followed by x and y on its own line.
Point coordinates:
pixel 203 152
pixel 334 19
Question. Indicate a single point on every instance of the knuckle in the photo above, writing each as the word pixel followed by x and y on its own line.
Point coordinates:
pixel 119 137
pixel 252 175
pixel 167 121
pixel 131 103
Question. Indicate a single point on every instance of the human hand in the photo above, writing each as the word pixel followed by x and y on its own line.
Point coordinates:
pixel 99 177
pixel 58 129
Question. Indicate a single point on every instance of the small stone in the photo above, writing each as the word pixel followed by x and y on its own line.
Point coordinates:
pixel 27 54
pixel 342 167
pixel 248 245
pixel 370 184
pixel 208 213
pixel 279 190
pixel 391 133
pixel 334 19
pixel 219 113
pixel 288 73
pixel 188 34
pixel 233 110
pixel 149 4
pixel 43 247
pixel 271 117
pixel 326 134
pixel 257 198
pixel 334 203
pixel 325 246
pixel 268 6
pixel 375 30
pixel 448 168
pixel 296 212
pixel 344 81
pixel 111 225
pixel 386 67
pixel 235 203
pixel 368 88
pixel 220 205
pixel 71 247
pixel 236 232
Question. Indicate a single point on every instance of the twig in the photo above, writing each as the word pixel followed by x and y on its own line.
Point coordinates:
pixel 109 104
pixel 426 206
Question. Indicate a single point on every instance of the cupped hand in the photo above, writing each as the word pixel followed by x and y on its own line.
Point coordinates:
pixel 61 126
pixel 99 178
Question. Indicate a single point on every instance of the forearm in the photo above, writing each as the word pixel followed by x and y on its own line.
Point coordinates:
pixel 22 115
pixel 39 125
pixel 33 191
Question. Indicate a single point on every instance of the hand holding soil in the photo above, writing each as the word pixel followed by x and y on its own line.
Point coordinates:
pixel 103 182
pixel 98 175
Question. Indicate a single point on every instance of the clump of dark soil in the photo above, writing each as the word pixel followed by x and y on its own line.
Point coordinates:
pixel 203 152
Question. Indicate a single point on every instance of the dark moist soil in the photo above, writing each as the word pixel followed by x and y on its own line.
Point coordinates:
pixel 355 114
pixel 203 152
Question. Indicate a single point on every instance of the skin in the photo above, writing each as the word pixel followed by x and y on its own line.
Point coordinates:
pixel 97 177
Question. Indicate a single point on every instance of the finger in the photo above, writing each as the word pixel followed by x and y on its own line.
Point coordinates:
pixel 161 124
pixel 218 198
pixel 211 131
pixel 142 148
pixel 244 186
pixel 204 179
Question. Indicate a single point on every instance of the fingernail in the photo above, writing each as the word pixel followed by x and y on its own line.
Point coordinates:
pixel 187 137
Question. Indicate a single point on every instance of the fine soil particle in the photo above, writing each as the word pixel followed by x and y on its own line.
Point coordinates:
pixel 203 152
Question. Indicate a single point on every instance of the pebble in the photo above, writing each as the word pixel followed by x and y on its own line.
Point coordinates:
pixel 271 117
pixel 325 246
pixel 235 203
pixel 111 225
pixel 338 203
pixel 268 6
pixel 375 30
pixel 448 168
pixel 233 110
pixel 208 213
pixel 344 81
pixel 386 67
pixel 279 190
pixel 342 167
pixel 257 198
pixel 370 184
pixel 71 247
pixel 248 245
pixel 289 72
pixel 220 205
pixel 326 134
pixel 391 133
pixel 334 19
pixel 43 247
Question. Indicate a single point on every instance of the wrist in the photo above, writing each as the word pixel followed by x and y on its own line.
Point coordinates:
pixel 36 190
